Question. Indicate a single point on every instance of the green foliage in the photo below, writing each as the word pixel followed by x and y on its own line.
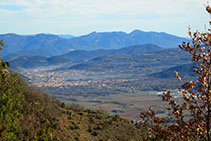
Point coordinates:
pixel 63 105
pixel 1 44
pixel 10 101
pixel 44 134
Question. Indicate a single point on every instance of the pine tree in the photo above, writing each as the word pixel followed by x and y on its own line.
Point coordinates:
pixel 10 101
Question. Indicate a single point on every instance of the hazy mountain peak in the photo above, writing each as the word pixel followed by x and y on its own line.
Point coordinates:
pixel 134 32
pixel 46 35
pixel 10 35
pixel 92 33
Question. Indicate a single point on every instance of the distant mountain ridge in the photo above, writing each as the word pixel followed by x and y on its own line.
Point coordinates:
pixel 117 40
pixel 77 56
pixel 48 45
pixel 33 45
pixel 143 63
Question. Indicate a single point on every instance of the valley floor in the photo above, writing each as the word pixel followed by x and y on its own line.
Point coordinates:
pixel 114 93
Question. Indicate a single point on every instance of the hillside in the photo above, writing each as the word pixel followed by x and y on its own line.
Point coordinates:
pixel 30 62
pixel 145 63
pixel 137 49
pixel 45 118
pixel 83 55
pixel 185 70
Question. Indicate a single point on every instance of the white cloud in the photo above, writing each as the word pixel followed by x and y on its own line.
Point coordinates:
pixel 102 14
pixel 96 7
pixel 15 2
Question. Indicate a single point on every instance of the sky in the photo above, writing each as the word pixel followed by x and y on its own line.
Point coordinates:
pixel 80 17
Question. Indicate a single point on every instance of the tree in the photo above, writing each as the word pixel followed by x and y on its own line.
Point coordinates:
pixel 10 101
pixel 191 118
pixel 1 44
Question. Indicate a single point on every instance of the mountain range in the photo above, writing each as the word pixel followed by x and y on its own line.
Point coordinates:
pixel 140 60
pixel 79 56
pixel 137 64
pixel 116 40
pixel 49 45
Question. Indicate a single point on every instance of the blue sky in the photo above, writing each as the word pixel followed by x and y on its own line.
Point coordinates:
pixel 78 17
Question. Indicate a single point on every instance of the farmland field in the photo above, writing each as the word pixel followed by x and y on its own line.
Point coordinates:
pixel 127 105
